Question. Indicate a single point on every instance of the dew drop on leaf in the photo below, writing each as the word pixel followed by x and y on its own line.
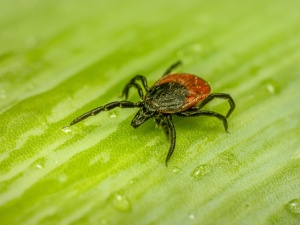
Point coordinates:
pixel 294 206
pixel 38 166
pixel 112 116
pixel 120 201
pixel 191 216
pixel 66 129
pixel 271 86
pixel 39 163
pixel 177 170
pixel 200 171
pixel 229 160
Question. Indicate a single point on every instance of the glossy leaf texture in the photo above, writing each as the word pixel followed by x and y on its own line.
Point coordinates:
pixel 59 59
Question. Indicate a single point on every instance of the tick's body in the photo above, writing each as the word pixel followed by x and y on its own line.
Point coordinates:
pixel 178 92
pixel 173 94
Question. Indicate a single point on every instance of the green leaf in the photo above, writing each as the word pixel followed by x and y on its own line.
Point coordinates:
pixel 59 59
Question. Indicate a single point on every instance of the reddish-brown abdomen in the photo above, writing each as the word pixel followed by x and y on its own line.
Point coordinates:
pixel 198 88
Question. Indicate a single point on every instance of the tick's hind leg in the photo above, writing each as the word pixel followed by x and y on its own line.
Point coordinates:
pixel 132 83
pixel 195 111
pixel 219 95
pixel 164 125
pixel 172 131
pixel 107 107
pixel 172 67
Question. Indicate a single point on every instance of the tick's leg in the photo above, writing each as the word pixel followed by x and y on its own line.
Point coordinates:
pixel 173 137
pixel 107 107
pixel 161 123
pixel 132 83
pixel 142 79
pixel 219 95
pixel 195 111
pixel 172 67
pixel 137 86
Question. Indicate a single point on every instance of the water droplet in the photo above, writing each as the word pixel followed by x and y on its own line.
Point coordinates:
pixel 66 129
pixel 229 160
pixel 39 163
pixel 120 201
pixel 177 170
pixel 191 216
pixel 271 86
pixel 294 206
pixel 39 166
pixel 132 181
pixel 113 116
pixel 200 171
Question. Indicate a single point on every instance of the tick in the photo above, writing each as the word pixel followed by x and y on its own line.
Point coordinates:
pixel 173 94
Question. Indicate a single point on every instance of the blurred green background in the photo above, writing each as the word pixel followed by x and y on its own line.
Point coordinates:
pixel 59 59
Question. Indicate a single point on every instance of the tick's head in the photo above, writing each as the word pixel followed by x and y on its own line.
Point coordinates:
pixel 142 116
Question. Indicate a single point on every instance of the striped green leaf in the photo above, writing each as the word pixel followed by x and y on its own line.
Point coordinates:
pixel 59 59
